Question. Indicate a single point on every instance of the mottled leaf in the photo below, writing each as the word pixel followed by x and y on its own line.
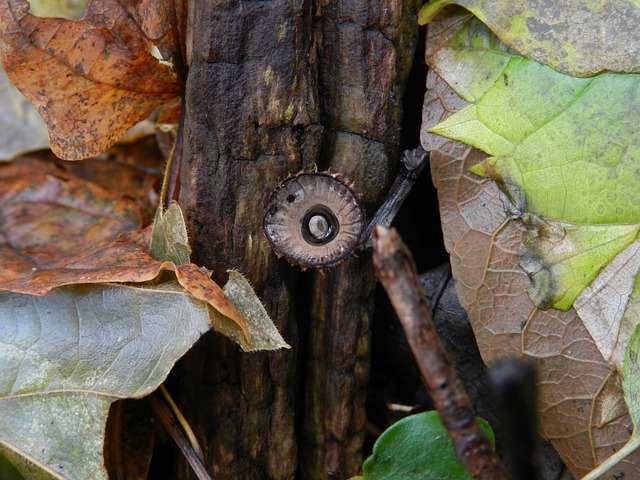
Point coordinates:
pixel 563 258
pixel 198 283
pixel 132 169
pixel 581 407
pixel 563 150
pixel 90 79
pixel 68 355
pixel 56 229
pixel 577 37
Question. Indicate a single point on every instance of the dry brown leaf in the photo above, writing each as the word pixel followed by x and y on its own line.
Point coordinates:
pixel 582 411
pixel 130 169
pixel 90 79
pixel 56 229
pixel 200 285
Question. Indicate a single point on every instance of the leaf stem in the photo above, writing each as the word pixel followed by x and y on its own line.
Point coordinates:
pixel 183 422
pixel 429 10
pixel 167 417
pixel 630 447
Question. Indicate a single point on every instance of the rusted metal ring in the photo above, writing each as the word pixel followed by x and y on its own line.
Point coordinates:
pixel 314 220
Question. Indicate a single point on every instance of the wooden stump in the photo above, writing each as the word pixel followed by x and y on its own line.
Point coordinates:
pixel 276 87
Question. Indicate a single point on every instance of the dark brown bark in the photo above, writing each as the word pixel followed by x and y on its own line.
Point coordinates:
pixel 276 87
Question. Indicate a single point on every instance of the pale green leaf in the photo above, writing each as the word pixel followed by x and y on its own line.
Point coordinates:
pixel 564 149
pixel 577 37
pixel 264 334
pixel 65 357
pixel 71 9
pixel 169 239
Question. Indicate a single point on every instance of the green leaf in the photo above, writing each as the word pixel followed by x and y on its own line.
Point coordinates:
pixel 65 357
pixel 577 37
pixel 564 149
pixel 417 447
pixel 263 333
pixel 568 145
pixel 169 239
pixel 631 387
pixel 563 258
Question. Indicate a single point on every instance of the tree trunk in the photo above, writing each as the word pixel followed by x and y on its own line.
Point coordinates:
pixel 276 87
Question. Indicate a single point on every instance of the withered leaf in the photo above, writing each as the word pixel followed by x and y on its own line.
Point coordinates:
pixel 487 228
pixel 56 229
pixel 577 386
pixel 264 334
pixel 89 79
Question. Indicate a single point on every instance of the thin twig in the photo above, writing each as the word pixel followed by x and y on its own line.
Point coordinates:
pixel 166 416
pixel 396 271
pixel 193 440
pixel 411 165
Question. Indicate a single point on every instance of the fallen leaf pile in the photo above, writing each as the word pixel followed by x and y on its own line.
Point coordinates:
pixel 92 308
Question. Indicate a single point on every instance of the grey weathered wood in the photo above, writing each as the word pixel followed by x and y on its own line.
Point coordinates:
pixel 275 87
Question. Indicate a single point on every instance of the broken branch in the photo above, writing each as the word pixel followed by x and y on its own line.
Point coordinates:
pixel 396 271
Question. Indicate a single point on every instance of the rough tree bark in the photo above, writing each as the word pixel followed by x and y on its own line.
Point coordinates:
pixel 275 87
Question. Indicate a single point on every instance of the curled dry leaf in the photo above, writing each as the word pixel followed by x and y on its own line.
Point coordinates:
pixel 56 229
pixel 199 284
pixel 581 401
pixel 90 79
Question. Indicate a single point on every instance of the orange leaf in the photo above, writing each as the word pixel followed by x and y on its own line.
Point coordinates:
pixel 56 229
pixel 90 79
pixel 198 283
